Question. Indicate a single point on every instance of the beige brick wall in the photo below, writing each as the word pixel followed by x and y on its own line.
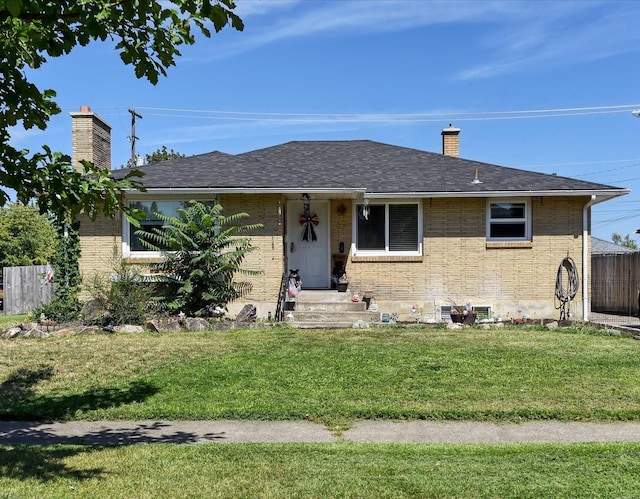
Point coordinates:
pixel 459 266
pixel 268 255
pixel 100 246
pixel 341 216
pixel 91 140
pixel 102 237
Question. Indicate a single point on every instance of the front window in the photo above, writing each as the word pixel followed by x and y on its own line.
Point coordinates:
pixel 150 209
pixel 388 228
pixel 509 220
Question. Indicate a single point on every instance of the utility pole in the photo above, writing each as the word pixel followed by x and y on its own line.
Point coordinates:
pixel 133 137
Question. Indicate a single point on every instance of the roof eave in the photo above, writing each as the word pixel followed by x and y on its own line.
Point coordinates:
pixel 244 190
pixel 601 194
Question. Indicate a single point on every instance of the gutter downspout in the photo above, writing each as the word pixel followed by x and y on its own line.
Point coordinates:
pixel 585 261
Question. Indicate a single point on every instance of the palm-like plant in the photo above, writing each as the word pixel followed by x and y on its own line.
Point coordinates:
pixel 203 251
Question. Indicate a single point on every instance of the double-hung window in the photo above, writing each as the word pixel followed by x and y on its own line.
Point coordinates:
pixel 388 228
pixel 509 220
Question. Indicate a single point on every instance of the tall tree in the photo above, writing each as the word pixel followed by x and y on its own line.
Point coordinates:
pixel 147 34
pixel 26 236
pixel 162 154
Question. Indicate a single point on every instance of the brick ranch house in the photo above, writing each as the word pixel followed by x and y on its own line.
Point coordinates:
pixel 414 228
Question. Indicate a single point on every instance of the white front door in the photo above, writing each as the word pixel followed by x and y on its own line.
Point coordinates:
pixel 310 256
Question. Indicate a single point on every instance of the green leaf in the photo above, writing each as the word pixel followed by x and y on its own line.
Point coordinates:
pixel 14 7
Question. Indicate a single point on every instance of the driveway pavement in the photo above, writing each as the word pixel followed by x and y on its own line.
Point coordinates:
pixel 192 432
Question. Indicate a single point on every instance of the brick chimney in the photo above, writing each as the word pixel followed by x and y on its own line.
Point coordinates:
pixel 91 139
pixel 451 141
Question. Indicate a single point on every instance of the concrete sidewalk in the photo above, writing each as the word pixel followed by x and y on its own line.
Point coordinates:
pixel 191 432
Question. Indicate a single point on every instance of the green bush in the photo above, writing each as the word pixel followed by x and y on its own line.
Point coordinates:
pixel 126 295
pixel 202 253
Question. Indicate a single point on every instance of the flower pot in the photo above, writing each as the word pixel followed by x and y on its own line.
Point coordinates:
pixel 470 318
pixel 464 317
pixel 457 318
pixel 342 286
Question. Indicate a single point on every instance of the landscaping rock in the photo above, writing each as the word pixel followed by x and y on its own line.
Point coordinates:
pixel 128 328
pixel 32 329
pixel 11 332
pixel 38 333
pixel 553 325
pixel 245 318
pixel 164 325
pixel 360 324
pixel 196 324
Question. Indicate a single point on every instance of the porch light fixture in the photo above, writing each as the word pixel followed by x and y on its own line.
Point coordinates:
pixel 365 209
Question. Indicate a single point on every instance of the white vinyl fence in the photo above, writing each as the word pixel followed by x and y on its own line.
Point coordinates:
pixel 26 288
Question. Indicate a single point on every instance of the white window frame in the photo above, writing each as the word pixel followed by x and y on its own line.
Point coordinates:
pixel 386 251
pixel 526 220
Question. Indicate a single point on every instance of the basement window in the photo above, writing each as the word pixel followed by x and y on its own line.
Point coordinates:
pixel 509 220
pixel 388 229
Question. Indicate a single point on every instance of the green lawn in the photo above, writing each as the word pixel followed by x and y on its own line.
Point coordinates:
pixel 321 470
pixel 334 377
pixel 11 320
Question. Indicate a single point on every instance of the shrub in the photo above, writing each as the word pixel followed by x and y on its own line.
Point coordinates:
pixel 203 251
pixel 126 295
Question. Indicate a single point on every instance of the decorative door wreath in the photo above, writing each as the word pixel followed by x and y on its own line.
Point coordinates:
pixel 308 221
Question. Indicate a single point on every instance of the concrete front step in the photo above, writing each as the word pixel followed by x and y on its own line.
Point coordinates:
pixel 323 296
pixel 332 316
pixel 329 309
pixel 338 306
pixel 325 325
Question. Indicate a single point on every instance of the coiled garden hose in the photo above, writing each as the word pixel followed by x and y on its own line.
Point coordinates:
pixel 565 295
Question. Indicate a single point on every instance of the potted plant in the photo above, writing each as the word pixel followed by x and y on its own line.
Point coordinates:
pixel 343 283
pixel 463 315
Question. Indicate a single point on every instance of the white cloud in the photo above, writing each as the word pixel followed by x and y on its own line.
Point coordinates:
pixel 524 35
pixel 587 32
pixel 308 18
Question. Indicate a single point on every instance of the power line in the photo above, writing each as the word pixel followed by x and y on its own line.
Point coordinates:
pixel 275 116
pixel 365 118
pixel 586 110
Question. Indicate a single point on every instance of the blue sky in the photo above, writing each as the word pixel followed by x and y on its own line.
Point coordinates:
pixel 543 86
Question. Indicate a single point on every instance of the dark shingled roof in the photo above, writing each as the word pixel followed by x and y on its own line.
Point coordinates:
pixel 350 164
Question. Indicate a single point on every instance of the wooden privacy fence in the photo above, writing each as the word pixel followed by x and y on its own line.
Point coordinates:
pixel 25 288
pixel 615 283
